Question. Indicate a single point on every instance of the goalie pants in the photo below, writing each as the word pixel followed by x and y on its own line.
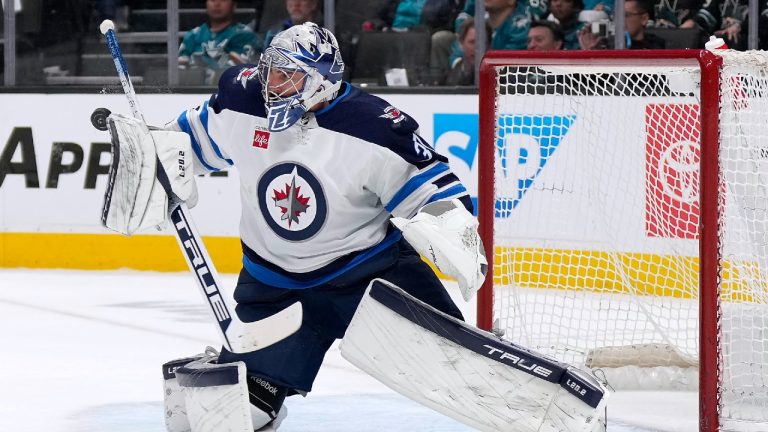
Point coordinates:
pixel 328 310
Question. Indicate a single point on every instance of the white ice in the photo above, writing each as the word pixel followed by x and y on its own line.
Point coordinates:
pixel 82 352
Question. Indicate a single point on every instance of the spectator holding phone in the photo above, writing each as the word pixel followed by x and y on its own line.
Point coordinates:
pixel 637 13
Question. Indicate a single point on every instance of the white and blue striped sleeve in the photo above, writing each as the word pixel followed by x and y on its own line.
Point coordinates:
pixel 209 155
pixel 407 173
pixel 408 188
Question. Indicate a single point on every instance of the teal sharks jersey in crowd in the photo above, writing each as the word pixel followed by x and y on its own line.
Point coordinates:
pixel 213 46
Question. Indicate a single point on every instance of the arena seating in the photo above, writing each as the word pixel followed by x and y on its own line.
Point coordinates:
pixel 379 51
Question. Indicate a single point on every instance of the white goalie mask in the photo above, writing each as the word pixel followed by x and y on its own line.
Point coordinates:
pixel 301 67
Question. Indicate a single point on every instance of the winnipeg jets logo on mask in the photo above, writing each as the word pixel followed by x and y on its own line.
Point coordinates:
pixel 292 201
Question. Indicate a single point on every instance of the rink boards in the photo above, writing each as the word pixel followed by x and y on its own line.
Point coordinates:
pixel 53 170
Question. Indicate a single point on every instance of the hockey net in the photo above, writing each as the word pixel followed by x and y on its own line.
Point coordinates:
pixel 625 198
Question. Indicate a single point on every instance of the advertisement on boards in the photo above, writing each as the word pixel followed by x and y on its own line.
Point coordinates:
pixel 672 164
pixel 53 166
pixel 54 163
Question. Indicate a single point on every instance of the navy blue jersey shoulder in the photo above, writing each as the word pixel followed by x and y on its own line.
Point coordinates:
pixel 370 118
pixel 239 90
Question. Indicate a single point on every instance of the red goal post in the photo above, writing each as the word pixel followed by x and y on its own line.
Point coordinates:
pixel 626 287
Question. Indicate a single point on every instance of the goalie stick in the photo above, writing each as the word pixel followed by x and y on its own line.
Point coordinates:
pixel 237 336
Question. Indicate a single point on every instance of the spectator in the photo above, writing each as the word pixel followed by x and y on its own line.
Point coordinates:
pixel 219 43
pixel 637 14
pixel 435 16
pixel 462 71
pixel 507 23
pixel 463 68
pixel 545 36
pixel 508 19
pixel 702 14
pixel 299 12
pixel 734 13
pixel 401 15
pixel 566 13
pixel 762 27
pixel 599 5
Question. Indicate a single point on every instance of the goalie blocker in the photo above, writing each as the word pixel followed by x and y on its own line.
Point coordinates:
pixel 445 233
pixel 465 373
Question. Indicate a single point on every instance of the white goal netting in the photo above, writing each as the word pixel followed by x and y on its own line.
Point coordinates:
pixel 597 222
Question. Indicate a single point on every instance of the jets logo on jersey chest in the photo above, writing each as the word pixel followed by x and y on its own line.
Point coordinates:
pixel 292 201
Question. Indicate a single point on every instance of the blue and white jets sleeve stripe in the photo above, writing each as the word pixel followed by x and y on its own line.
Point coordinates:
pixel 194 122
pixel 448 187
pixel 417 190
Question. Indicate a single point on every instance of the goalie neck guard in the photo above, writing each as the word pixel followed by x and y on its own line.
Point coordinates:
pixel 301 67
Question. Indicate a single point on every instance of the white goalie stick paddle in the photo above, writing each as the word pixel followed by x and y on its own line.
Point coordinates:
pixel 237 336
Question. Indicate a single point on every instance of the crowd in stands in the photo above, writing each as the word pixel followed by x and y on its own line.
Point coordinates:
pixel 222 38
pixel 221 42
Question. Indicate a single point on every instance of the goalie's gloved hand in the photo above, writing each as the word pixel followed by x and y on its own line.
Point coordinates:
pixel 172 148
pixel 174 151
pixel 140 188
pixel 446 234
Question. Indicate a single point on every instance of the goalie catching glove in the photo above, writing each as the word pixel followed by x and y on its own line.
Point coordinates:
pixel 446 233
pixel 147 167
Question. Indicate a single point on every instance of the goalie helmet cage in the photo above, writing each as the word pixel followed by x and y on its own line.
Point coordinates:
pixel 623 205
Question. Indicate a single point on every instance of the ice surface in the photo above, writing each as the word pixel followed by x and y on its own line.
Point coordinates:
pixel 82 352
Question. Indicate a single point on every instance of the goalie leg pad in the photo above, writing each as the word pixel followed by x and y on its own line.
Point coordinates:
pixel 203 396
pixel 216 396
pixel 173 395
pixel 464 373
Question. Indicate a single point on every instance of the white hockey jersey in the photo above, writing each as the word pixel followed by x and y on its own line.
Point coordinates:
pixel 322 191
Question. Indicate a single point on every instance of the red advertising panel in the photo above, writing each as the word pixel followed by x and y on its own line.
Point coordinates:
pixel 672 170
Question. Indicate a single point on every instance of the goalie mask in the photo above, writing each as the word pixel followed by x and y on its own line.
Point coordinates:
pixel 301 67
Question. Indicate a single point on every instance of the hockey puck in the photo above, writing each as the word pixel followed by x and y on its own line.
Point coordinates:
pixel 99 118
